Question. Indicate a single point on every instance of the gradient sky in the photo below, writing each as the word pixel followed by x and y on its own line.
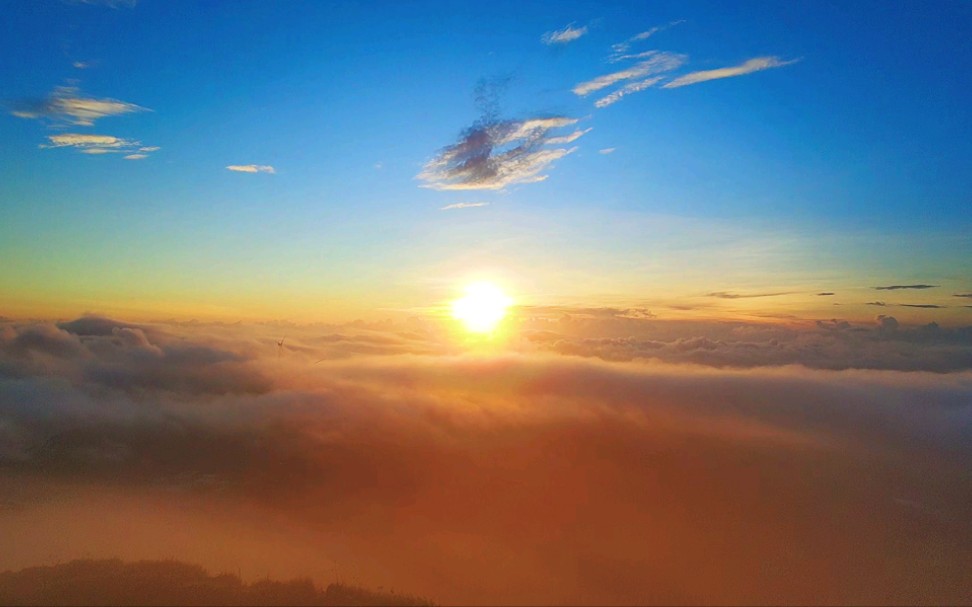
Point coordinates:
pixel 387 153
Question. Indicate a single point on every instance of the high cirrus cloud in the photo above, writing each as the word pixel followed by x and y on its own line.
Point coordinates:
pixel 463 205
pixel 658 62
pixel 627 89
pixel 670 484
pixel 620 49
pixel 100 144
pixel 251 168
pixel 563 36
pixel 68 105
pixel 750 66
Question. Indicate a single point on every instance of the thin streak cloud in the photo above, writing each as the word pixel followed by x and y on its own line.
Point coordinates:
pixel 899 287
pixel 727 295
pixel 568 138
pixel 563 36
pixel 67 104
pixel 658 63
pixel 627 89
pixel 622 47
pixel 756 64
pixel 251 168
pixel 463 205
pixel 97 144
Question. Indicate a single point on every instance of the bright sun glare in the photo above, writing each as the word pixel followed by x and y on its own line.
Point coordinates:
pixel 482 307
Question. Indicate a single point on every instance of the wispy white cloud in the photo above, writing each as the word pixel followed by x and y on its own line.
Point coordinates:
pixel 136 157
pixel 752 65
pixel 633 87
pixel 616 58
pixel 251 168
pixel 493 155
pixel 67 104
pixel 464 205
pixel 81 65
pixel 569 138
pixel 563 36
pixel 96 144
pixel 658 63
pixel 606 151
pixel 622 47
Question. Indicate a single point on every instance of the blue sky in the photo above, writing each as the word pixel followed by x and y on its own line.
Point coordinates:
pixel 842 165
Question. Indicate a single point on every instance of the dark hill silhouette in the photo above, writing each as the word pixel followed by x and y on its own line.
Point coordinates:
pixel 114 582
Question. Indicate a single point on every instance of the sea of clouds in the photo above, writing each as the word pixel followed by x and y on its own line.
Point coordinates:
pixel 598 455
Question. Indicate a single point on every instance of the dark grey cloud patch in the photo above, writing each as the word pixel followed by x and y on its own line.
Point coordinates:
pixel 927 306
pixel 899 287
pixel 495 153
pixel 824 294
pixel 969 295
pixel 887 323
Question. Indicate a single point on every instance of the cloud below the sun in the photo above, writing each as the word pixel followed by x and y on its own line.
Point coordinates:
pixel 368 440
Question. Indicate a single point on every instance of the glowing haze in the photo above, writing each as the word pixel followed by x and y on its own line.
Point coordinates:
pixel 503 303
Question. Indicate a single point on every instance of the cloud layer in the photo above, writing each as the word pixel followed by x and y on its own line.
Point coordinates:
pixel 667 484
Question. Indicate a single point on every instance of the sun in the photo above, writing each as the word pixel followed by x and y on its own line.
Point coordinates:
pixel 482 307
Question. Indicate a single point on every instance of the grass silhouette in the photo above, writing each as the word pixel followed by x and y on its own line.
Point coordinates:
pixel 114 582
